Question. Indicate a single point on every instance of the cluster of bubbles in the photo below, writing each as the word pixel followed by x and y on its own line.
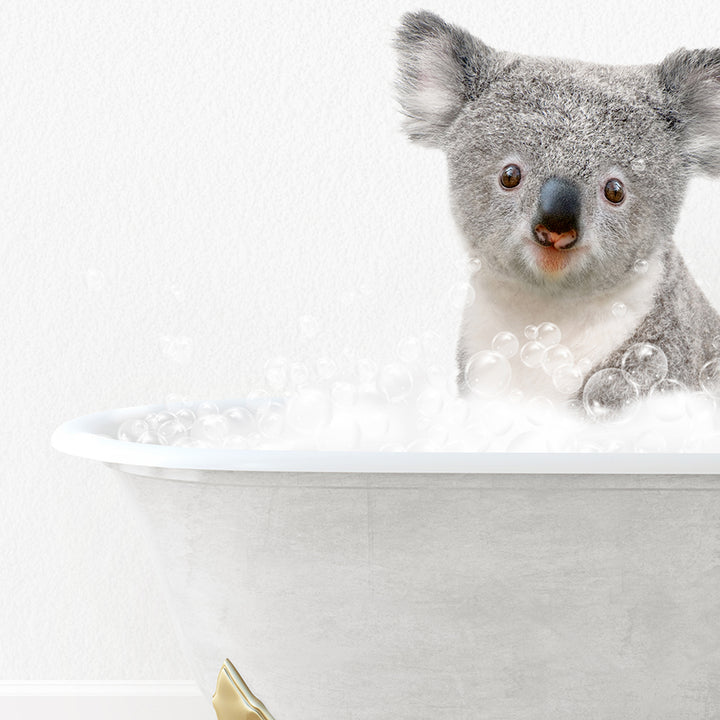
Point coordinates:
pixel 525 392
pixel 411 404
pixel 489 373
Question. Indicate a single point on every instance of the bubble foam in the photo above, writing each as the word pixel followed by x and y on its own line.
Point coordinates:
pixel 396 407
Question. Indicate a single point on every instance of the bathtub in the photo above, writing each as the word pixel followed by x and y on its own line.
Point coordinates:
pixel 415 586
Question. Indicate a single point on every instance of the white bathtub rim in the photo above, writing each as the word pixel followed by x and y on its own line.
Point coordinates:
pixel 88 437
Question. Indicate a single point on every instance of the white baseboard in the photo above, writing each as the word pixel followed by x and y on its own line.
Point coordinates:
pixel 109 702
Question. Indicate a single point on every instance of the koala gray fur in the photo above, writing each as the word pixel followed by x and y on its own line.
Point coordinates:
pixel 651 127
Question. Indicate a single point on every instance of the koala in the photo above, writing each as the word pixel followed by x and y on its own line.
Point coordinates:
pixel 566 181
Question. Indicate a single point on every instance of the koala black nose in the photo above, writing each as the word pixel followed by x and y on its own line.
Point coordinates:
pixel 559 206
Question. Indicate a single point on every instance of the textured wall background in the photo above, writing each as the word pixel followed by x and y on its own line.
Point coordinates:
pixel 215 171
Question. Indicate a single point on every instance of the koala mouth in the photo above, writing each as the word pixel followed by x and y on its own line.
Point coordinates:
pixel 554 251
pixel 557 241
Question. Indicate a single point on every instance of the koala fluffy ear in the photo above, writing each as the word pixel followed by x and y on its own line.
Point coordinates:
pixel 692 80
pixel 440 68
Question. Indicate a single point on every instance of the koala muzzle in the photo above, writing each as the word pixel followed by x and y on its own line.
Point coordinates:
pixel 556 223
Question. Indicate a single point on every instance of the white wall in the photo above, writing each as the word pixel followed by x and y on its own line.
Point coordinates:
pixel 227 168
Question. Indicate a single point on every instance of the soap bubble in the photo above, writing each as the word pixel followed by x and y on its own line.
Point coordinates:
pixel 431 343
pixel 530 332
pixel 499 416
pixel 326 368
pixel 186 416
pixel 342 433
pixel 462 295
pixel 641 266
pixel 170 430
pixel 555 356
pixel 207 408
pixel 212 428
pixel 154 420
pixel 175 402
pixel 308 410
pixel 348 362
pixel 149 437
pixel 309 327
pixel 608 393
pixel 700 406
pixel 176 291
pixel 568 379
pixel 505 343
pixel 710 378
pixel 392 447
pixel 240 421
pixel 666 399
pixel 367 370
pixel 463 264
pixel 259 398
pixel 254 440
pixel 434 440
pixel 409 349
pixel 177 349
pixel 395 381
pixel 716 342
pixel 548 334
pixel 132 429
pixel 650 442
pixel 299 374
pixel 585 365
pixel 429 402
pixel 638 165
pixel 422 422
pixel 538 410
pixel 488 374
pixel 532 353
pixel 456 412
pixel 705 444
pixel 474 265
pixel 236 442
pixel 271 420
pixel 436 376
pixel 95 279
pixel 276 374
pixel 471 438
pixel 190 442
pixel 528 442
pixel 619 309
pixel 645 363
pixel 372 417
pixel 344 394
pixel 163 415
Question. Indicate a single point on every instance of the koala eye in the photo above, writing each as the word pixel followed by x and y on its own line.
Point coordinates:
pixel 510 176
pixel 614 191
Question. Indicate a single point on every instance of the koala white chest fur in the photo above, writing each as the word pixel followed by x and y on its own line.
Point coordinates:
pixel 564 176
pixel 590 329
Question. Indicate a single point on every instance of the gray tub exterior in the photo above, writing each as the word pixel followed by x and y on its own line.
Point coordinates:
pixel 360 597
pixel 363 595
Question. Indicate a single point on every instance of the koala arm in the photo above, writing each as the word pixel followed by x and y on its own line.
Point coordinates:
pixel 681 321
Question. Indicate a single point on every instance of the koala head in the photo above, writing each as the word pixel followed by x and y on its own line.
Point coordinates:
pixel 562 174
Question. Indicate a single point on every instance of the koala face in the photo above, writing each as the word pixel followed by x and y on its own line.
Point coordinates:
pixel 562 174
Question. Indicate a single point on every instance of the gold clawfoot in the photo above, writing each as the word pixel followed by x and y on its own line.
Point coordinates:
pixel 233 700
